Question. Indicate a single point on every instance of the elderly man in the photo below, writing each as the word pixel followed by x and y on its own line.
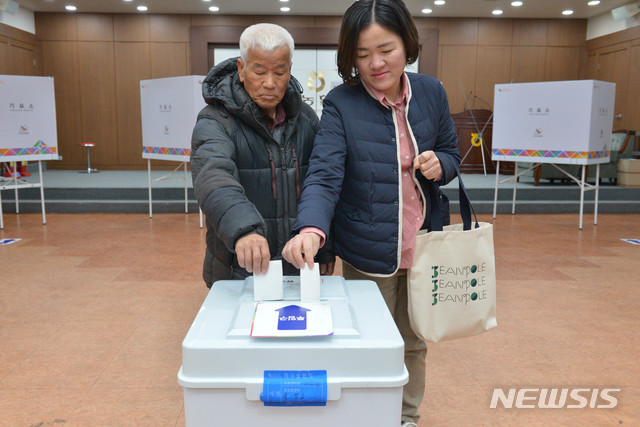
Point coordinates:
pixel 249 154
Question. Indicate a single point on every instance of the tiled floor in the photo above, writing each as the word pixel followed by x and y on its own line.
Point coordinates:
pixel 93 309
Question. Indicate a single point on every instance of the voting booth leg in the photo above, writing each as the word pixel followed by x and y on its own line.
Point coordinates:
pixel 582 183
pixel 515 184
pixel 186 204
pixel 44 217
pixel 595 207
pixel 149 178
pixel 495 192
pixel 200 210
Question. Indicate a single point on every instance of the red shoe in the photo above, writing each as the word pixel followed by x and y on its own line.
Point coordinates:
pixel 8 173
pixel 23 171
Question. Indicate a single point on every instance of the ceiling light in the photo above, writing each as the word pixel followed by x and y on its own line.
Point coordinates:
pixel 142 8
pixel 567 12
pixel 214 8
pixel 284 1
pixel 128 1
pixel 497 12
pixel 439 2
pixel 206 1
pixel 594 2
pixel 70 8
pixel 427 10
pixel 285 9
pixel 516 3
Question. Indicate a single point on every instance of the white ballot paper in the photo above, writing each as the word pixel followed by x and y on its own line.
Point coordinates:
pixel 292 319
pixel 268 287
pixel 310 283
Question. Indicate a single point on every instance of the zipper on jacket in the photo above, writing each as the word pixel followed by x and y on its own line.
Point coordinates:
pixel 273 174
pixel 295 162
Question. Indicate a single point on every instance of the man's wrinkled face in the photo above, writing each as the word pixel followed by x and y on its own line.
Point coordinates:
pixel 265 76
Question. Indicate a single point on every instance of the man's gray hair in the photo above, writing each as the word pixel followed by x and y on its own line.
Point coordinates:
pixel 265 37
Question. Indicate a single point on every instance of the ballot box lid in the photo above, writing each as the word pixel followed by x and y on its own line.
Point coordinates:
pixel 364 350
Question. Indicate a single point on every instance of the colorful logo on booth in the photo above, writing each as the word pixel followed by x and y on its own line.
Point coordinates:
pixel 24 130
pixel 537 133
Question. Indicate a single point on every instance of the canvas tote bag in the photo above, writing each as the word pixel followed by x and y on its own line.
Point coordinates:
pixel 452 284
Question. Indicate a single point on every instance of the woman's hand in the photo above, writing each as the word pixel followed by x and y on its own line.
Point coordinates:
pixel 302 249
pixel 429 165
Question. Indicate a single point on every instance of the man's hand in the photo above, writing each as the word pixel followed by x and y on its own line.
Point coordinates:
pixel 302 249
pixel 253 255
pixel 429 165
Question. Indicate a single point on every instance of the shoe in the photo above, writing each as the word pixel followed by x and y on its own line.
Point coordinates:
pixel 23 171
pixel 10 172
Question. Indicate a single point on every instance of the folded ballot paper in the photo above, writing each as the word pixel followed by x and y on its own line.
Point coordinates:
pixel 275 317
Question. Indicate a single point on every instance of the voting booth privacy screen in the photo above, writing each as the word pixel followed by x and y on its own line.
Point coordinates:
pixel 169 110
pixel 566 122
pixel 28 119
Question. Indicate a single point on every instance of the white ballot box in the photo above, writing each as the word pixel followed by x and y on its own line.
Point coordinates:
pixel 566 122
pixel 350 373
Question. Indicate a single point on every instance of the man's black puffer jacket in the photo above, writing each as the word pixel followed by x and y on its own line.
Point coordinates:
pixel 244 179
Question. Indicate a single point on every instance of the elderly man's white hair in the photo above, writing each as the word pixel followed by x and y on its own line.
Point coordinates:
pixel 265 37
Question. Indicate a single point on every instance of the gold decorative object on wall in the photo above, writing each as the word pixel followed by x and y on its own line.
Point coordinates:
pixel 313 76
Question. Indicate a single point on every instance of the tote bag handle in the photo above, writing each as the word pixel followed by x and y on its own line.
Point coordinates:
pixel 465 206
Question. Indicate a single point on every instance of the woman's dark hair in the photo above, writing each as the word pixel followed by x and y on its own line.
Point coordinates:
pixel 391 14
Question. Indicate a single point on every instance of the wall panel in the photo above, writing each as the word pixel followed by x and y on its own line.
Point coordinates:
pixel 131 28
pixel 458 31
pixel 242 20
pixel 561 32
pixel 169 60
pixel 527 64
pixel 132 64
pixel 495 32
pixel 562 63
pixel 169 28
pixel 633 89
pixel 98 97
pixel 494 67
pixel 95 27
pixel 459 71
pixel 529 32
pixel 60 60
pixel 56 26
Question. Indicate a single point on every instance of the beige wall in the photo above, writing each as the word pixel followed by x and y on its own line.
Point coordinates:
pixel 98 59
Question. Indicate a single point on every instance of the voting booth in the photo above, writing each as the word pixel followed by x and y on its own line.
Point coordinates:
pixel 169 109
pixel 563 122
pixel 566 122
pixel 301 368
pixel 27 129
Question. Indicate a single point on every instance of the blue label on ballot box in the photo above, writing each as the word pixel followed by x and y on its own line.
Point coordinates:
pixel 294 388
pixel 292 317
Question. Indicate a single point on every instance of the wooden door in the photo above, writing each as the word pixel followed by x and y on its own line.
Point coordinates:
pixel 613 66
